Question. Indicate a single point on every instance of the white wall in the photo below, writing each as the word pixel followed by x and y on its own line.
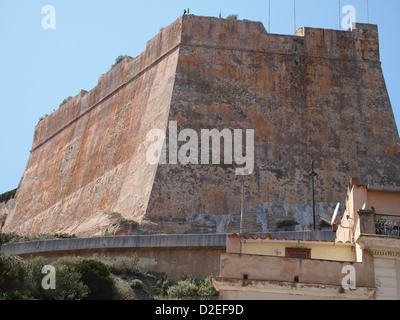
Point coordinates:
pixel 387 275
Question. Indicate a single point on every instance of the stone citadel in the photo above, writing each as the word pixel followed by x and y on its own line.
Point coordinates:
pixel 319 95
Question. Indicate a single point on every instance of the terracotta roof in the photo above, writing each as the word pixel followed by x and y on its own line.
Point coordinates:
pixel 276 238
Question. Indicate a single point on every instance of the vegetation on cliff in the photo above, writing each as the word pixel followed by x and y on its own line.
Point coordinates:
pixel 119 59
pixel 232 17
pixel 9 238
pixel 4 197
pixel 65 101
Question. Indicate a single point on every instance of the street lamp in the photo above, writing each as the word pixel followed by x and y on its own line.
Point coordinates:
pixel 313 174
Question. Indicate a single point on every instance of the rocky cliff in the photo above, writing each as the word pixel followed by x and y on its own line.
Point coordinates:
pixel 317 96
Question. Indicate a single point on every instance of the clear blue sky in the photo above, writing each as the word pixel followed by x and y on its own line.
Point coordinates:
pixel 39 68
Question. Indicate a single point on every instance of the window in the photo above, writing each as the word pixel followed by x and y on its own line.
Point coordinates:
pixel 300 253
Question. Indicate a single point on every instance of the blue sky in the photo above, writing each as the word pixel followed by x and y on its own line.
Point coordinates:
pixel 40 68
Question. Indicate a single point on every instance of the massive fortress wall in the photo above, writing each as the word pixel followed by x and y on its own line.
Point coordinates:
pixel 319 95
pixel 87 162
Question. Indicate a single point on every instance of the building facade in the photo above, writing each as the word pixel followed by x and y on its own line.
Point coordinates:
pixel 362 263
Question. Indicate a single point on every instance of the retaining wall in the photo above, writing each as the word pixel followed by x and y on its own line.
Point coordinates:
pixel 174 255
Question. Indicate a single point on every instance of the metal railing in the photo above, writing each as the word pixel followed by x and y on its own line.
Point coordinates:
pixel 387 225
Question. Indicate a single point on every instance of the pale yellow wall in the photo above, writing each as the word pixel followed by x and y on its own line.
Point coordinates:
pixel 384 202
pixel 354 201
pixel 319 250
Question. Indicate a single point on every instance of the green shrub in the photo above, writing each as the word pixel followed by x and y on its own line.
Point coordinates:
pixel 206 289
pixel 232 17
pixel 184 289
pixel 96 276
pixel 12 274
pixel 7 238
pixel 43 117
pixel 15 238
pixel 69 285
pixel 136 284
pixel 127 266
pixel 65 101
pixel 16 295
pixel 287 225
pixel 33 278
pixel 160 290
pixel 118 60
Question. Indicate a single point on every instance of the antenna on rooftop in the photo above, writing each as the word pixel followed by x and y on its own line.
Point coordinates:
pixel 335 213
pixel 334 217
pixel 294 14
pixel 269 16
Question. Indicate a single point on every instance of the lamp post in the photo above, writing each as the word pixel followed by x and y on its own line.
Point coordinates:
pixel 313 174
pixel 245 173
pixel 242 208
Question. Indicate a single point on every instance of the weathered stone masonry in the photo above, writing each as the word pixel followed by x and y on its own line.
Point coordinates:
pixel 319 95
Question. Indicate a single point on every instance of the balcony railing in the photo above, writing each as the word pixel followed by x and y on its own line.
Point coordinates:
pixel 387 225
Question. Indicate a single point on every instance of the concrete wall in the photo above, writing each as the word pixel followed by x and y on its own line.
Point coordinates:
pixel 267 246
pixel 174 255
pixel 233 289
pixel 253 268
pixel 256 267
pixel 384 202
pixel 387 277
pixel 386 253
